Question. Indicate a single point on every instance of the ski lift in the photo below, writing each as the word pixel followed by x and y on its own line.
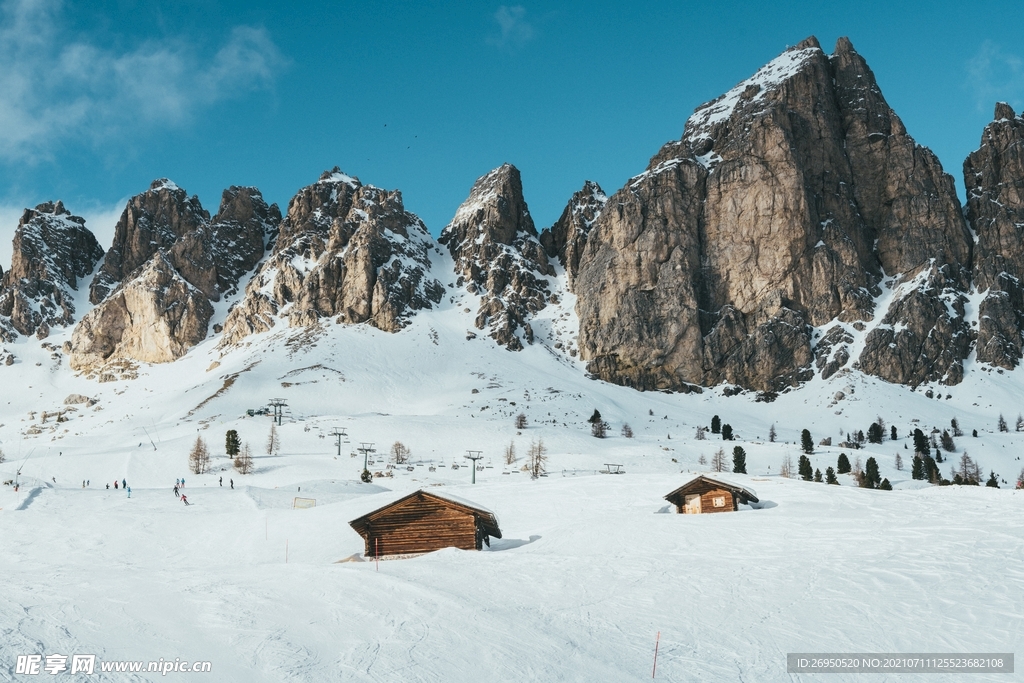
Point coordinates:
pixel 455 465
pixel 432 468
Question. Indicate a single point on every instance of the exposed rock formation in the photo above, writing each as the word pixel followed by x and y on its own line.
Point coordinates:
pixel 779 209
pixel 344 250
pixel 498 256
pixel 52 250
pixel 566 238
pixel 994 178
pixel 156 317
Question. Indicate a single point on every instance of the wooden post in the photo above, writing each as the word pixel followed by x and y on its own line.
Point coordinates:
pixel 656 641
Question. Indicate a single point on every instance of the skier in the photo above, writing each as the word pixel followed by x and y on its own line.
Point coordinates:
pixel 185 500
pixel 115 484
pixel 83 483
pixel 183 482
pixel 221 481
pixel 124 483
pixel 88 483
pixel 232 483
pixel 54 480
pixel 108 486
pixel 129 491
pixel 176 494
pixel 177 482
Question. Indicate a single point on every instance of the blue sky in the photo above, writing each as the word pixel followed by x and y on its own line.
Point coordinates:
pixel 97 99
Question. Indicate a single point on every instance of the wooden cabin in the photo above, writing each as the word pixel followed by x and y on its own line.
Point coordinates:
pixel 423 522
pixel 704 494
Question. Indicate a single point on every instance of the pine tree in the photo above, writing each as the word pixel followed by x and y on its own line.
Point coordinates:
pixel 273 441
pixel 627 431
pixel 817 475
pixel 231 443
pixel 718 461
pixel 1002 424
pixel 872 477
pixel 521 421
pixel 956 427
pixel 726 432
pixel 920 442
pixel 830 476
pixel 806 472
pixel 716 425
pixel 199 457
pixel 771 434
pixel 860 436
pixel 843 464
pixel 931 470
pixel 899 462
pixel 599 428
pixel 702 460
pixel 892 433
pixel 806 442
pixel 947 441
pixel 739 460
pixel 1020 423
pixel 885 485
pixel 917 471
pixel 875 433
pixel 993 480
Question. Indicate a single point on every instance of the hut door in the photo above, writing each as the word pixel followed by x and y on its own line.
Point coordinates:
pixel 691 504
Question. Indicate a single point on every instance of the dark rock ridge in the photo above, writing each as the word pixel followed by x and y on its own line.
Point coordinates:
pixel 994 179
pixel 52 250
pixel 783 206
pixel 566 238
pixel 168 262
pixel 345 250
pixel 499 257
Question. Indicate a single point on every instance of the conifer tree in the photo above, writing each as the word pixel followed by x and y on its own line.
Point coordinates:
pixel 726 432
pixel 892 433
pixel 627 431
pixel 739 460
pixel 716 424
pixel 885 485
pixel 843 464
pixel 875 433
pixel 771 434
pixel 917 470
pixel 231 443
pixel 931 470
pixel 817 475
pixel 806 473
pixel 830 476
pixel 956 427
pixel 899 462
pixel 871 476
pixel 947 441
pixel 993 480
pixel 1002 424
pixel 520 421
pixel 806 442
pixel 920 442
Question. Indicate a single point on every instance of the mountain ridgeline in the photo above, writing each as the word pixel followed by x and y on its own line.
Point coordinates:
pixel 794 230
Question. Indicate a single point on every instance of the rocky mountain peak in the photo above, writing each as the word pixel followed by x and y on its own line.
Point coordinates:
pixel 566 239
pixel 498 256
pixel 1004 111
pixel 345 250
pixel 52 250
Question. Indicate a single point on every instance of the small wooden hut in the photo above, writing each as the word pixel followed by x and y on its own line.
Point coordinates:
pixel 423 522
pixel 704 494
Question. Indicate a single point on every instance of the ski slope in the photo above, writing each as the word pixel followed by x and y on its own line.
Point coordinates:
pixel 590 568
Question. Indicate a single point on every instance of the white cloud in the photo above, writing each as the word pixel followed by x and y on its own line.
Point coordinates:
pixel 57 86
pixel 995 75
pixel 515 31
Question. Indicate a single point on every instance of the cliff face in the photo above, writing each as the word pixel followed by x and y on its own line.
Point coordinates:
pixel 566 239
pixel 52 250
pixel 781 208
pixel 168 262
pixel 499 257
pixel 346 251
pixel 994 179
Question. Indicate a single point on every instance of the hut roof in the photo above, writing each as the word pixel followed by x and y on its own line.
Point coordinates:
pixel 485 517
pixel 746 494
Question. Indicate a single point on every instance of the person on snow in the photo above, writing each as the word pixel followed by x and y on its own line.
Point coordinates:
pixel 221 481
pixel 83 483
pixel 177 482
pixel 129 488
pixel 108 486
pixel 115 484
pixel 176 494
pixel 185 500
pixel 124 483
pixel 232 483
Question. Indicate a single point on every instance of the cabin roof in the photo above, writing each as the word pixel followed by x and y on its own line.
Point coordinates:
pixel 483 516
pixel 745 494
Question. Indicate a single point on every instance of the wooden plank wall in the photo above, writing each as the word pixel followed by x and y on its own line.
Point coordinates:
pixel 420 525
pixel 708 492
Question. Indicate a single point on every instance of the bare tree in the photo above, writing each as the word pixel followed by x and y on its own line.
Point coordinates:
pixel 786 470
pixel 2 457
pixel 243 461
pixel 718 460
pixel 702 460
pixel 536 458
pixel 899 462
pixel 199 457
pixel 273 441
pixel 627 431
pixel 510 453
pixel 521 421
pixel 400 453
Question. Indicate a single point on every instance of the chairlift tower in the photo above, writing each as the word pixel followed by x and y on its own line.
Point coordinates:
pixel 278 404
pixel 366 449
pixel 338 433
pixel 474 456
